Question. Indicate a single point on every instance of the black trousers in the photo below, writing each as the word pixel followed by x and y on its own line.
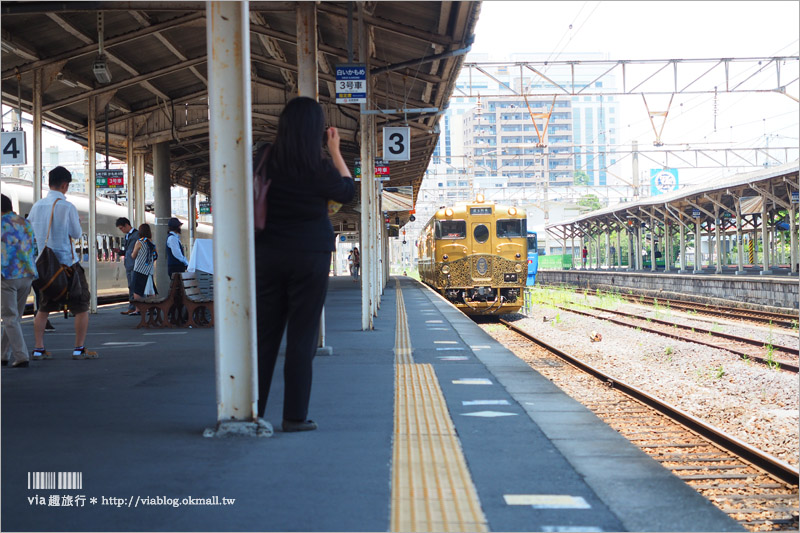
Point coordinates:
pixel 290 293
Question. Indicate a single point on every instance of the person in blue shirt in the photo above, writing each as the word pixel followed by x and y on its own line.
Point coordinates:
pixel 176 260
pixel 18 272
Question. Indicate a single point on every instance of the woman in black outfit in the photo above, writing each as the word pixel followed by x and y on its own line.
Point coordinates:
pixel 293 252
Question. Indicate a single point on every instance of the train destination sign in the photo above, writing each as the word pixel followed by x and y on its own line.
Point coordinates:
pixel 351 83
pixel 13 148
pixel 109 178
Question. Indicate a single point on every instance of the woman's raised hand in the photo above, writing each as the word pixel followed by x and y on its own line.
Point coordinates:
pixel 333 139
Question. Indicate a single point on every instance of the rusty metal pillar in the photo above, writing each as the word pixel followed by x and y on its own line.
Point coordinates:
pixel 37 135
pixel 307 78
pixel 231 139
pixel 92 192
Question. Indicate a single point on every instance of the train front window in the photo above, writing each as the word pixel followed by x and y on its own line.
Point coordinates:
pixel 451 229
pixel 508 228
pixel 481 234
pixel 532 243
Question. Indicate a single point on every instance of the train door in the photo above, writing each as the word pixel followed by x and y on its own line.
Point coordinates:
pixel 482 249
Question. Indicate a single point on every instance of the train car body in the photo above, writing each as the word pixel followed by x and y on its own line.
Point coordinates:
pixel 476 255
pixel 110 267
pixel 533 258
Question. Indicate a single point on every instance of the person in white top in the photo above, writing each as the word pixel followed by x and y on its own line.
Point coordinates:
pixel 66 225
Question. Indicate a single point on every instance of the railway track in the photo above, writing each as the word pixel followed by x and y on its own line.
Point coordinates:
pixel 754 488
pixel 779 357
pixel 783 320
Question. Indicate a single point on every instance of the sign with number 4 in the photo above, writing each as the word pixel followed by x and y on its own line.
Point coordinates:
pixel 397 144
pixel 13 151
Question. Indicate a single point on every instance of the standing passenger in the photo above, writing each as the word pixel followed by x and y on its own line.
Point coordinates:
pixel 356 263
pixel 65 226
pixel 176 261
pixel 293 252
pixel 131 236
pixel 144 255
pixel 18 271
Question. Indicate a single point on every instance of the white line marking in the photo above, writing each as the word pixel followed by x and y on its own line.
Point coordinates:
pixel 449 349
pixel 577 529
pixel 168 333
pixel 454 358
pixel 485 402
pixel 472 381
pixel 547 501
pixel 445 342
pixel 127 344
pixel 488 414
pixel 434 322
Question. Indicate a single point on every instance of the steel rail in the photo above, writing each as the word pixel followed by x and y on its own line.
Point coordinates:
pixel 788 367
pixel 769 464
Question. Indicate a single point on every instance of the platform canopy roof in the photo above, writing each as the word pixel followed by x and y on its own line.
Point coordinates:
pixel 156 54
pixel 775 184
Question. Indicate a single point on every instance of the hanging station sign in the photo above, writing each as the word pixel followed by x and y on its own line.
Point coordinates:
pixel 397 144
pixel 13 148
pixel 204 208
pixel 109 178
pixel 351 83
pixel 663 181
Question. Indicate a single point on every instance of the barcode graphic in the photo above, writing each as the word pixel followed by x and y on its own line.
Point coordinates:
pixel 55 480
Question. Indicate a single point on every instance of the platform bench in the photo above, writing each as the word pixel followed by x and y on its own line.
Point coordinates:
pixel 198 298
pixel 161 311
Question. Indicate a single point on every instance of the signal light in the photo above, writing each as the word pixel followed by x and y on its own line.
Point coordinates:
pixel 512 211
pixel 448 212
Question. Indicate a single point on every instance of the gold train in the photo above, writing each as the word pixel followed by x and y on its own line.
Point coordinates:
pixel 475 255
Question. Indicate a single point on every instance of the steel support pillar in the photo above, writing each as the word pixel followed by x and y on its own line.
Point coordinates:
pixel 698 246
pixel 192 210
pixel 37 135
pixel 793 251
pixel 682 240
pixel 618 255
pixel 307 78
pixel 163 210
pixel 367 183
pixel 652 244
pixel 131 168
pixel 139 190
pixel 92 234
pixel 765 237
pixel 717 239
pixel 739 240
pixel 639 258
pixel 231 138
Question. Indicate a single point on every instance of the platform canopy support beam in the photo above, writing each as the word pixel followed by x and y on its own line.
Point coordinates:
pixel 37 135
pixel 765 237
pixel 367 184
pixel 92 188
pixel 230 138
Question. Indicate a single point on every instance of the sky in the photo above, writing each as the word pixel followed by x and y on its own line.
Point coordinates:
pixel 663 30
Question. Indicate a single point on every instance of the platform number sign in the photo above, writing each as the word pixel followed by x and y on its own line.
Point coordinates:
pixel 397 144
pixel 795 197
pixel 13 151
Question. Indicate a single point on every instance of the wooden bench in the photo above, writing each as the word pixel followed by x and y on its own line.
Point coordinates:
pixel 198 298
pixel 161 311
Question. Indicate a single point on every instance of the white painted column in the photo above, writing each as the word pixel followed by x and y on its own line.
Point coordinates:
pixel 618 255
pixel 608 249
pixel 667 243
pixel 131 169
pixel 717 239
pixel 653 246
pixel 765 237
pixel 682 238
pixel 639 261
pixel 37 135
pixel 793 252
pixel 139 189
pixel 230 137
pixel 739 239
pixel 192 210
pixel 367 181
pixel 92 233
pixel 698 245
pixel 307 79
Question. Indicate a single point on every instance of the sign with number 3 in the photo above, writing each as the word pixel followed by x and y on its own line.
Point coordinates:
pixel 397 144
pixel 13 148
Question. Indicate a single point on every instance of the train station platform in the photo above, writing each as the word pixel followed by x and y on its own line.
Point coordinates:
pixel 425 424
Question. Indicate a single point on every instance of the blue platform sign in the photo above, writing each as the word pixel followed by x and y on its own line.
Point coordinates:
pixel 663 181
pixel 351 84
pixel 795 197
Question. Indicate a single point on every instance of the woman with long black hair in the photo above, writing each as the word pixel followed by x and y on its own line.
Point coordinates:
pixel 293 252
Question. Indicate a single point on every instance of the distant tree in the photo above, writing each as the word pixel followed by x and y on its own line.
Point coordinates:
pixel 589 202
pixel 580 178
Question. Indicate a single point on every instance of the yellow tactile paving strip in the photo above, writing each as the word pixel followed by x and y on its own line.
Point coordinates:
pixel 432 489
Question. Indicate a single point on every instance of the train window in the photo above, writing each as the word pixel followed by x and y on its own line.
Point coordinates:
pixel 451 229
pixel 532 242
pixel 481 233
pixel 512 227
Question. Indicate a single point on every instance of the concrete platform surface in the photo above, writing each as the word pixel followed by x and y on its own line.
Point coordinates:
pixel 131 423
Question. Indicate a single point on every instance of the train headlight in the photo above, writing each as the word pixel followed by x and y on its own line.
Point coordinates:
pixel 518 256
pixel 445 257
pixel 479 199
pixel 448 212
pixel 446 269
pixel 518 268
pixel 512 211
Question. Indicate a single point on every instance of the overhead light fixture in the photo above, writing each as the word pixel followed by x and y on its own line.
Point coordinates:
pixel 7 47
pixel 69 83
